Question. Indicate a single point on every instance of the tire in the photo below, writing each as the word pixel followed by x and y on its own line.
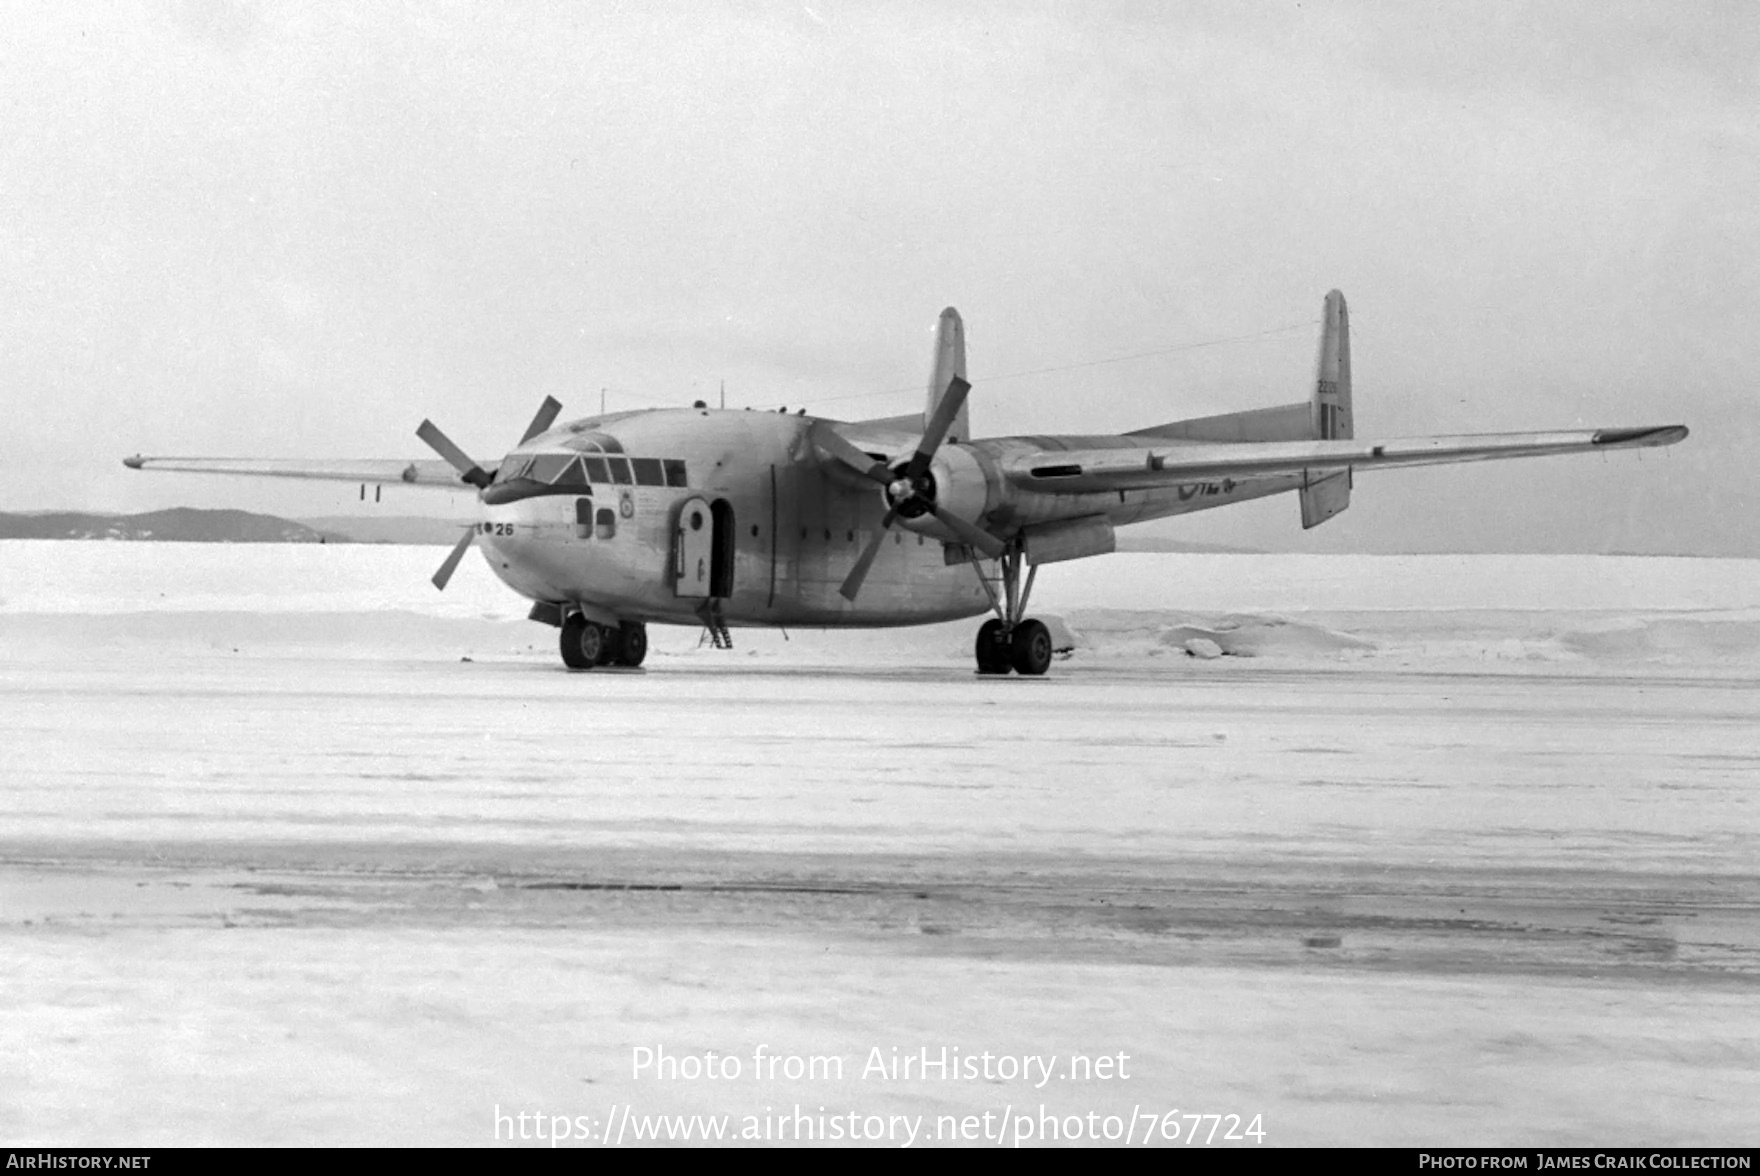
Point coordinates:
pixel 1031 648
pixel 594 647
pixel 993 652
pixel 570 642
pixel 632 645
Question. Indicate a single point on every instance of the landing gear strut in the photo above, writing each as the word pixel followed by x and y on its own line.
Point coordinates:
pixel 585 644
pixel 1011 640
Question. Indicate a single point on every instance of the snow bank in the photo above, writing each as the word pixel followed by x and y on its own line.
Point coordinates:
pixel 1504 612
pixel 1561 641
pixel 1342 583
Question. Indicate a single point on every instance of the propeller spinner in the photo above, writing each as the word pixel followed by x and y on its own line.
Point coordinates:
pixel 475 475
pixel 910 489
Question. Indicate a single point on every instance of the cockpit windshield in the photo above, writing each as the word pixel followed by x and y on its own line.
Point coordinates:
pixel 529 474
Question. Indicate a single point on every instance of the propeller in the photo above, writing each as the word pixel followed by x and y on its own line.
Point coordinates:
pixel 457 553
pixel 457 458
pixel 546 417
pixel 910 491
pixel 474 474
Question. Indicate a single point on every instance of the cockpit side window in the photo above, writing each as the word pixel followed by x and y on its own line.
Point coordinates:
pixel 596 471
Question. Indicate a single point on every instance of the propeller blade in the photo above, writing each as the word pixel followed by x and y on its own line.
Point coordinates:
pixel 840 447
pixel 457 553
pixel 440 443
pixel 852 583
pixel 970 535
pixel 546 417
pixel 942 421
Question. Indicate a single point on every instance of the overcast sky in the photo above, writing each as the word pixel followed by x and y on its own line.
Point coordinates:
pixel 230 228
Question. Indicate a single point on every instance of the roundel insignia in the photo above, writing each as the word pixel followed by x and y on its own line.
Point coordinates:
pixel 626 505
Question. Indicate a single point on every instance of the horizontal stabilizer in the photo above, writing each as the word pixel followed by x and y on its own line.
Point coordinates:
pixel 911 423
pixel 1286 422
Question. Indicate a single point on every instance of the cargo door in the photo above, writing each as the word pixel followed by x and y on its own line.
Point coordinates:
pixel 693 549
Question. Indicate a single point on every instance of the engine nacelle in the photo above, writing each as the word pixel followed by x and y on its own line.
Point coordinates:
pixel 962 487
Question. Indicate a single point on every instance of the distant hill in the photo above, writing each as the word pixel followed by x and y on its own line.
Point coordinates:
pixel 406 529
pixel 177 525
pixel 1127 542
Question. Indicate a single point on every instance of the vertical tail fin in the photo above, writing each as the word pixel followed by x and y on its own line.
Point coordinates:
pixel 950 361
pixel 1327 495
pixel 1332 382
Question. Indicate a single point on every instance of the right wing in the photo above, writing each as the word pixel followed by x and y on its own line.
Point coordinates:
pixel 1146 467
pixel 426 472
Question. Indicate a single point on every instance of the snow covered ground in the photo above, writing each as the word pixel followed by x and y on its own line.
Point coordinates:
pixel 1441 850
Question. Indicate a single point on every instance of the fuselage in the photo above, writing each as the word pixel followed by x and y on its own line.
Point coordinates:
pixel 647 516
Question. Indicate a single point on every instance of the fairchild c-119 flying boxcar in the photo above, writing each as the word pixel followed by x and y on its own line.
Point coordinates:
pixel 701 516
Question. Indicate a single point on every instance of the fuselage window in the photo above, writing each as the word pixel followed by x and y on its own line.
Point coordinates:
pixel 648 471
pixel 674 472
pixel 619 470
pixel 596 470
pixel 583 518
pixel 607 519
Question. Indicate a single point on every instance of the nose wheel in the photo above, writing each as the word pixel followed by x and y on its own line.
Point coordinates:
pixel 1011 640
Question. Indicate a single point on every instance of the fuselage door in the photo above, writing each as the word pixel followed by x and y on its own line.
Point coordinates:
pixel 693 549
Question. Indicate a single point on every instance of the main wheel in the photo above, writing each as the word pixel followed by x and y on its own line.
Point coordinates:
pixel 583 643
pixel 570 641
pixel 632 645
pixel 1031 648
pixel 594 645
pixel 992 648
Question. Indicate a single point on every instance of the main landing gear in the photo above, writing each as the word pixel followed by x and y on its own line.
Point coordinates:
pixel 1011 640
pixel 586 644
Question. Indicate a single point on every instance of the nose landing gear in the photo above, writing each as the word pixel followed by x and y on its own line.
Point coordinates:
pixel 1011 640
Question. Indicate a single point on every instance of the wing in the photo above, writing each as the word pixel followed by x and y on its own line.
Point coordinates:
pixel 1088 470
pixel 425 472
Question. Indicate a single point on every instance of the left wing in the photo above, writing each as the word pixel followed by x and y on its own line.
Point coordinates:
pixel 1090 470
pixel 421 472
